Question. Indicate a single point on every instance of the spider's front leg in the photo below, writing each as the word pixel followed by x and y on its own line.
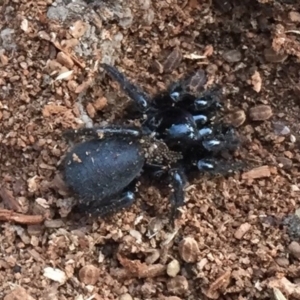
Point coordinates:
pixel 219 166
pixel 205 103
pixel 219 138
pixel 135 93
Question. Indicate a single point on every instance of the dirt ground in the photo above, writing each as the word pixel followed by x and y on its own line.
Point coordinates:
pixel 238 236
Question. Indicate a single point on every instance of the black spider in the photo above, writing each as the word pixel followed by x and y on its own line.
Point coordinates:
pixel 177 136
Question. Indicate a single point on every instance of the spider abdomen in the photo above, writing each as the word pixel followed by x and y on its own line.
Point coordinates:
pixel 98 169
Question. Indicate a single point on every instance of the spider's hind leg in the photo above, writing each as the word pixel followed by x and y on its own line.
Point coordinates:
pixel 106 208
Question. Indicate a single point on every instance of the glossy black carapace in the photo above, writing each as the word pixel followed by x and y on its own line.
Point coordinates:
pixel 177 136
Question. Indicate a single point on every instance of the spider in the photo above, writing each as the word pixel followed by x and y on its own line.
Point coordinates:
pixel 177 136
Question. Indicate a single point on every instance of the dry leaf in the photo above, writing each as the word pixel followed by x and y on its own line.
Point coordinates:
pixel 53 109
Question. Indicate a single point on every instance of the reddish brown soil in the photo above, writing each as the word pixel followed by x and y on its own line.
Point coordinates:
pixel 230 241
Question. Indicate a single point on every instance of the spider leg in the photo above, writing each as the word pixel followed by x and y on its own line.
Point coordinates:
pixel 206 104
pixel 135 93
pixel 200 119
pixel 218 141
pixel 177 181
pixel 219 166
pixel 108 207
pixel 102 132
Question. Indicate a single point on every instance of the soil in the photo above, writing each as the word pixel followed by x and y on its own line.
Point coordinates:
pixel 237 236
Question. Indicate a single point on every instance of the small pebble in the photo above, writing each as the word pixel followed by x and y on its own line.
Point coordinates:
pixel 281 129
pixel 125 297
pixel 212 69
pixel 65 60
pixel 292 138
pixel 178 285
pixel 285 163
pixel 294 248
pixel 236 118
pixel 89 274
pixel 173 268
pixel 260 112
pixel 273 57
pixel 189 250
pixel 293 226
pixel 294 16
pixel 282 262
pixel 56 223
pixel 232 56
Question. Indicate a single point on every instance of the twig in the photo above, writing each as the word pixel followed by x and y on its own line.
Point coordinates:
pixel 10 216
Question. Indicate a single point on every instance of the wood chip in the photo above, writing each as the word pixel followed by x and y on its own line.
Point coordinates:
pixel 55 275
pixel 18 293
pixel 236 118
pixel 9 200
pixel 256 81
pixel 219 285
pixel 260 172
pixel 138 269
pixel 242 230
pixel 65 60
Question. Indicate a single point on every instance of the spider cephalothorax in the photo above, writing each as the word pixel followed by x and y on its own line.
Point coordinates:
pixel 177 136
